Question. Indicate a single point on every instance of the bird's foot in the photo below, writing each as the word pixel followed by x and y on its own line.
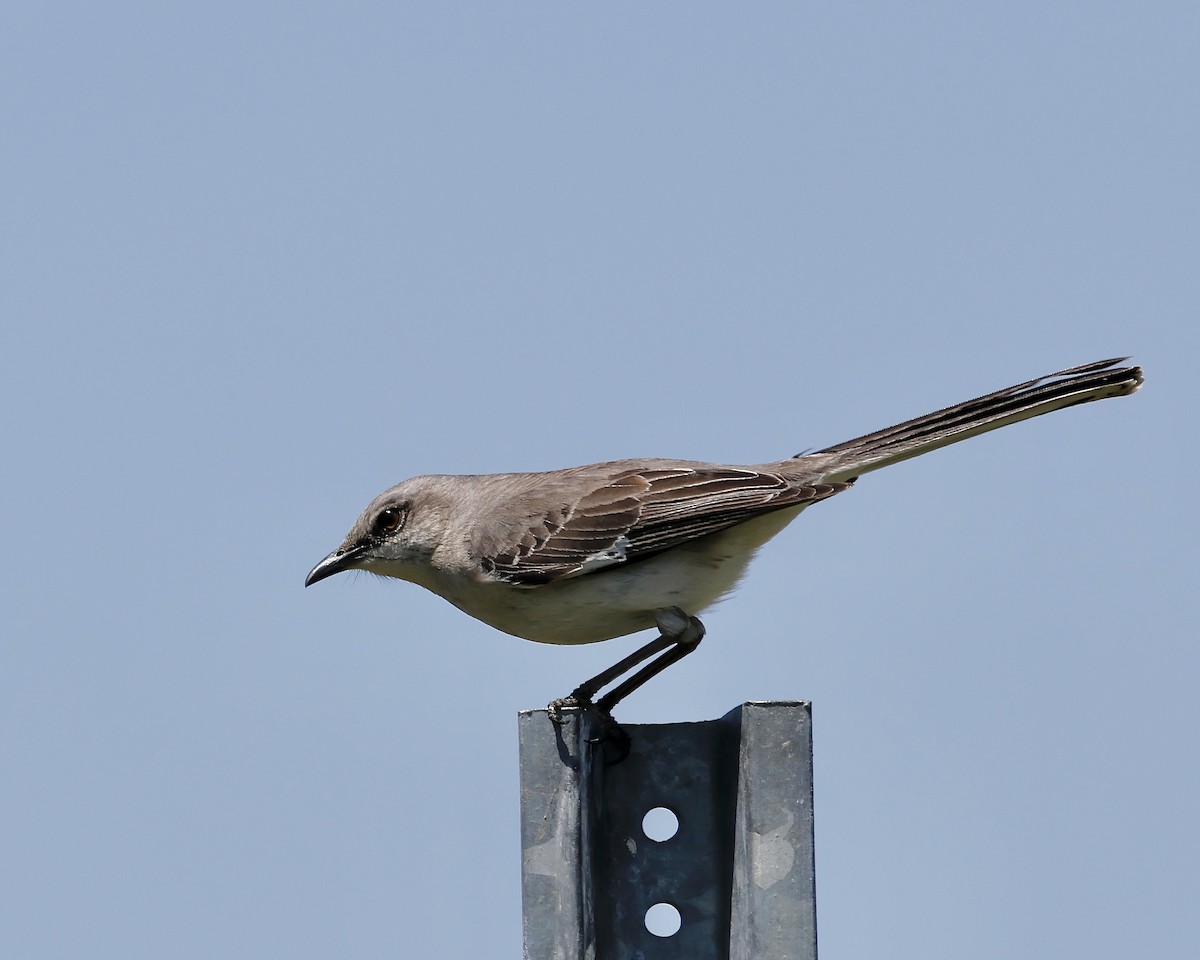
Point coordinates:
pixel 679 635
pixel 556 709
pixel 610 737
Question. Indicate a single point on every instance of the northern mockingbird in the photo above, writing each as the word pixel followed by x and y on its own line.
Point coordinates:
pixel 595 552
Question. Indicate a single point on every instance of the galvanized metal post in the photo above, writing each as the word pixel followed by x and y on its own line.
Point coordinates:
pixel 739 869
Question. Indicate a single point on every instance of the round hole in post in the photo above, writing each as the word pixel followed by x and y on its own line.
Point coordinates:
pixel 660 823
pixel 663 920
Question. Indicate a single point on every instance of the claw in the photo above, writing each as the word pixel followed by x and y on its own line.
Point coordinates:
pixel 577 700
pixel 555 709
pixel 614 741
pixel 679 635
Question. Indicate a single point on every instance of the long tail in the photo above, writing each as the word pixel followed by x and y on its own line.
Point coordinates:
pixel 1092 381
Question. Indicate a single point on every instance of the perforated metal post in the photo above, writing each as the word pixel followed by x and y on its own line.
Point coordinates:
pixel 739 870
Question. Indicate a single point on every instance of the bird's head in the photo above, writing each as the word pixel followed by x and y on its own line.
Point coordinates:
pixel 395 536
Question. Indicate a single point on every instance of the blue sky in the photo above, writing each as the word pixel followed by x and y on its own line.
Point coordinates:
pixel 263 260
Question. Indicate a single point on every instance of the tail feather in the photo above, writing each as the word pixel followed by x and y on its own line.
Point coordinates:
pixel 1055 391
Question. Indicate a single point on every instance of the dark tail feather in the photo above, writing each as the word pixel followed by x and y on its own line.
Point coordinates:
pixel 1092 381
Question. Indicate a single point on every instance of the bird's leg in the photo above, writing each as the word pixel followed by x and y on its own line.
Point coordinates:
pixel 588 689
pixel 678 636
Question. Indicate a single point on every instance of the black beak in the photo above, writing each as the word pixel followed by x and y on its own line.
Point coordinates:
pixel 336 562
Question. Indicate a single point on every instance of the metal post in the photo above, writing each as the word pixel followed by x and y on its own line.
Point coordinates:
pixel 739 870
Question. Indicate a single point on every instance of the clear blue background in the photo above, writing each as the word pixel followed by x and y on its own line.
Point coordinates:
pixel 262 260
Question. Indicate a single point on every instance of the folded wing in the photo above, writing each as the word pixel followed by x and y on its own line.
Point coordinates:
pixel 643 512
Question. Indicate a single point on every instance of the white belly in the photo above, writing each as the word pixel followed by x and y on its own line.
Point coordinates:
pixel 622 600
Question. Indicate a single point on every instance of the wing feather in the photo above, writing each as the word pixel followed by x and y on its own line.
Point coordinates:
pixel 643 512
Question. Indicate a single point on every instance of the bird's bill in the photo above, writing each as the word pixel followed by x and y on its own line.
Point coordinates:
pixel 341 559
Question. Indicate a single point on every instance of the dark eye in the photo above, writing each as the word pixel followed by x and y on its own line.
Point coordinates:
pixel 389 521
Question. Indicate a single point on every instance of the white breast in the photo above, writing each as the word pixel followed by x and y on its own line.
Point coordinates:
pixel 620 600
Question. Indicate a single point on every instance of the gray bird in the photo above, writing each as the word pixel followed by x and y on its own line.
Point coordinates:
pixel 600 551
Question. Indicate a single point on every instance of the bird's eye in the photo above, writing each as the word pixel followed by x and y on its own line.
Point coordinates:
pixel 389 521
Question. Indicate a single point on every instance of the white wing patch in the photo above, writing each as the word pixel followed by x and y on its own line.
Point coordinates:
pixel 605 558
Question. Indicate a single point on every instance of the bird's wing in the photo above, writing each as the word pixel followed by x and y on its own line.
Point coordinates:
pixel 640 513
